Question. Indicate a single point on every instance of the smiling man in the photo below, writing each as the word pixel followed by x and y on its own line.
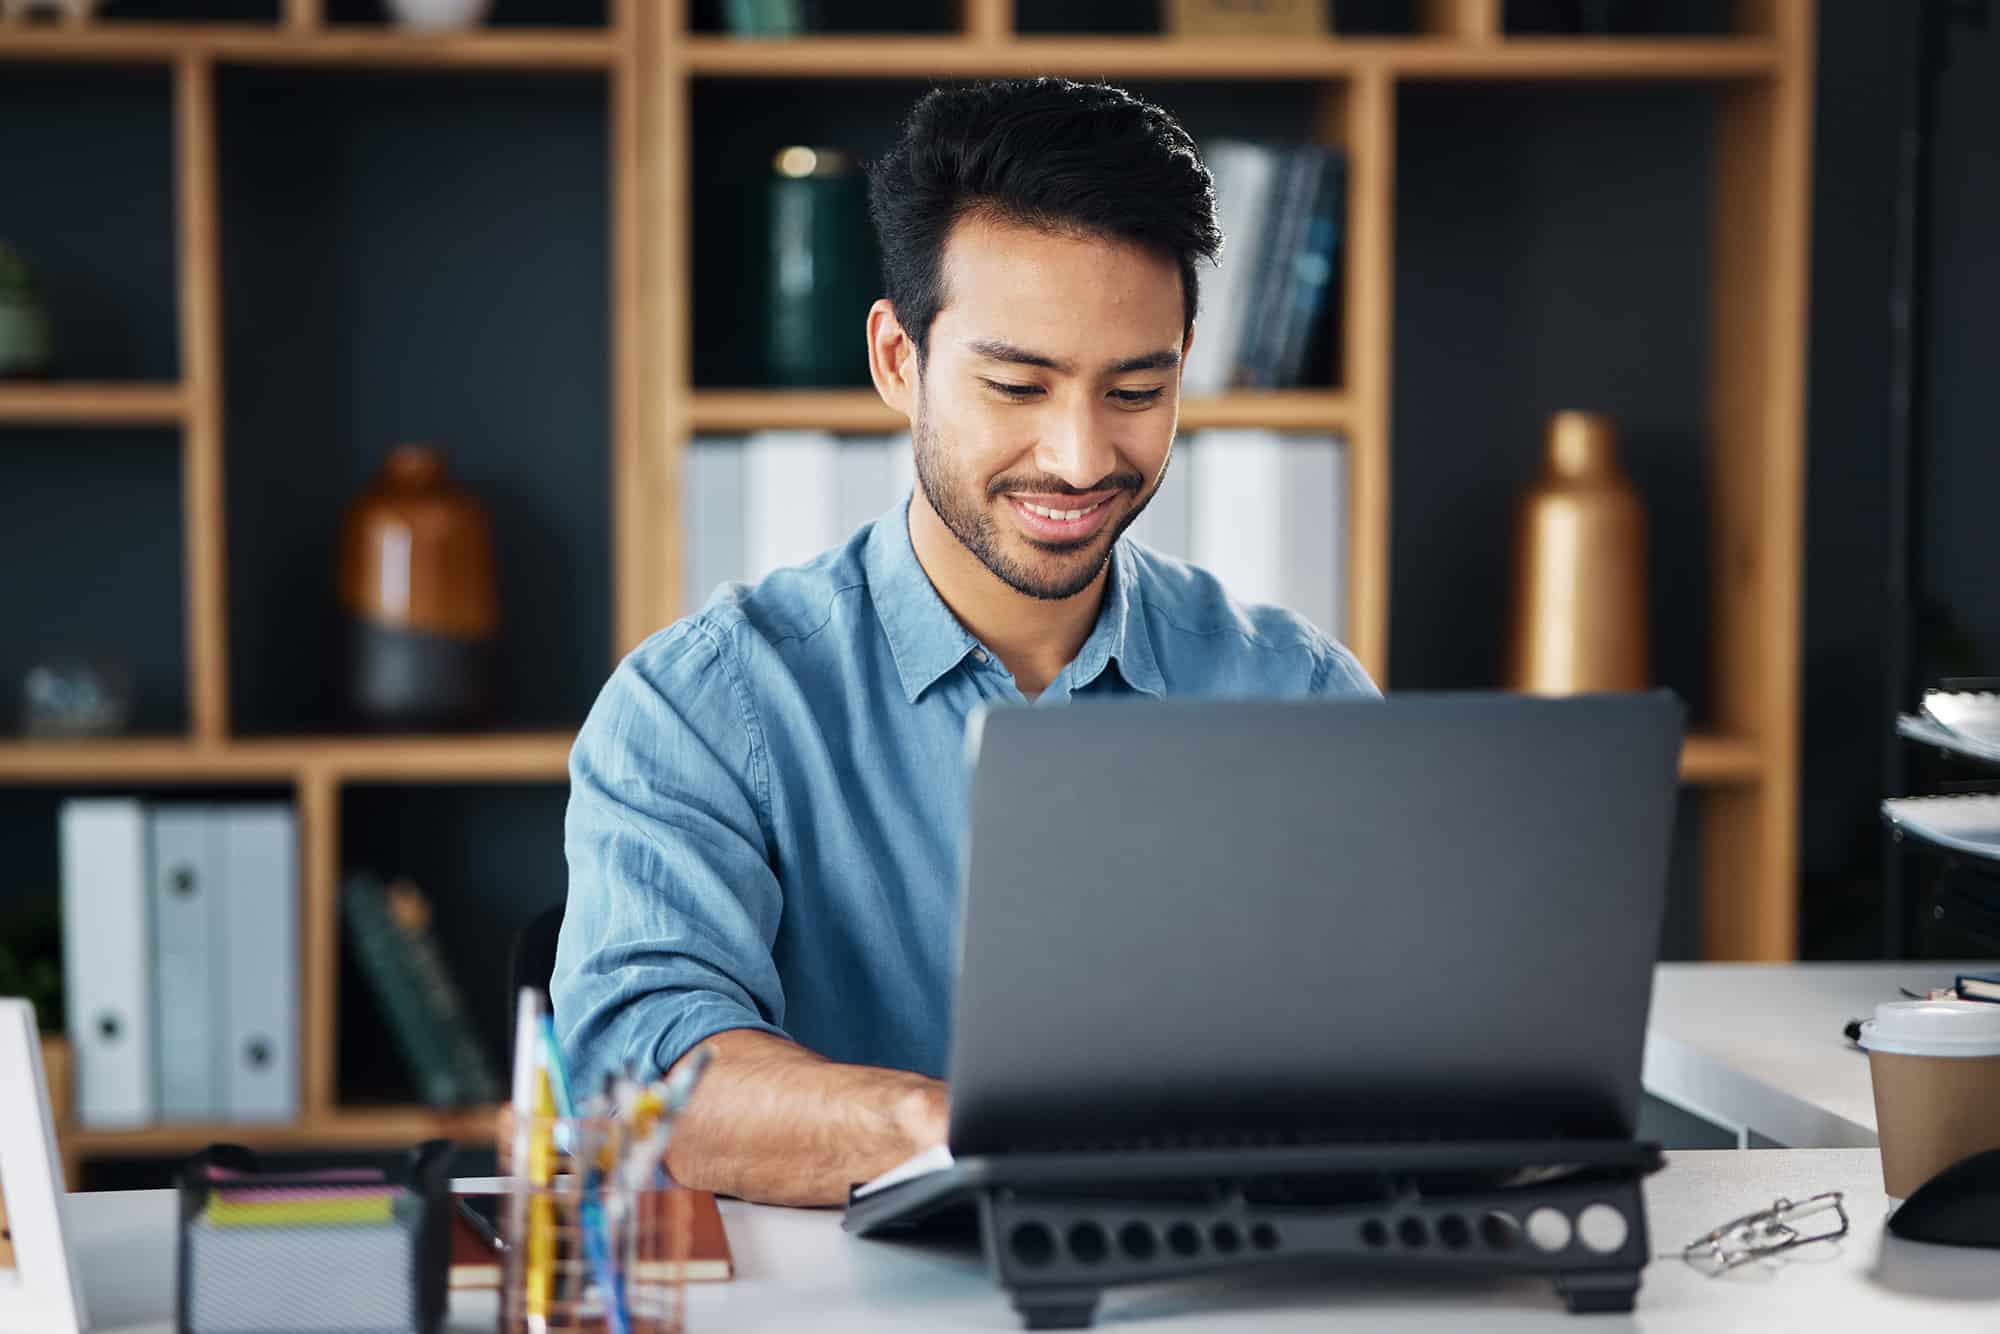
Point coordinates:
pixel 767 800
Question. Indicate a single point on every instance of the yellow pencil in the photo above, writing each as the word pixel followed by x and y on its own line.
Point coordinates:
pixel 541 1207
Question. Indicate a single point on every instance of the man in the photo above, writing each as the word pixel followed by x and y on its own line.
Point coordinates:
pixel 767 800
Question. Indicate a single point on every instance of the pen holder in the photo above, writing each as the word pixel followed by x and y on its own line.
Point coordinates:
pixel 584 1239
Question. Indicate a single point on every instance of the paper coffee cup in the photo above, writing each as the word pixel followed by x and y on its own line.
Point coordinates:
pixel 1936 1070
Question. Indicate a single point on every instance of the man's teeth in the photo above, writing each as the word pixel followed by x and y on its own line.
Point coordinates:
pixel 1063 515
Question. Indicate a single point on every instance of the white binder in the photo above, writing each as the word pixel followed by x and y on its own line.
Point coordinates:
pixel 107 960
pixel 876 471
pixel 188 980
pixel 1164 524
pixel 260 1026
pixel 712 512
pixel 1236 525
pixel 1268 517
pixel 791 480
pixel 1315 531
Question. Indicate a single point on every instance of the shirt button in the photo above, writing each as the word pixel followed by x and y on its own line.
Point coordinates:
pixel 980 654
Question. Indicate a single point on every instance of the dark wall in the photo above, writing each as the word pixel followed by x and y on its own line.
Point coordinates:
pixel 1962 555
pixel 1867 54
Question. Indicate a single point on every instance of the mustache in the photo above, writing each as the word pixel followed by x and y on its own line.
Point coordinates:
pixel 1051 486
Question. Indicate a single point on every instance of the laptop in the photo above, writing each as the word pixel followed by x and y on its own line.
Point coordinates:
pixel 1215 926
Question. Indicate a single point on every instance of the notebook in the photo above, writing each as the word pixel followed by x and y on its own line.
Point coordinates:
pixel 475 1260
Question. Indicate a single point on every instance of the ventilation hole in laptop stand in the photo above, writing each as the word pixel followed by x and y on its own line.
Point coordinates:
pixel 1135 1241
pixel 1088 1243
pixel 1225 1238
pixel 1412 1233
pixel 1453 1232
pixel 1183 1240
pixel 1499 1231
pixel 1374 1234
pixel 1264 1237
pixel 1032 1244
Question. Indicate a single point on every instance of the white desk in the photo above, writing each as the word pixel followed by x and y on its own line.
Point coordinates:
pixel 1758 1047
pixel 798 1271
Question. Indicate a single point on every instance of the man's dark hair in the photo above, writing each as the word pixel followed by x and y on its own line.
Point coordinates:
pixel 1048 153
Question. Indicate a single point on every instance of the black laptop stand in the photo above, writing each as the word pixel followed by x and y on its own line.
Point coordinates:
pixel 1058 1229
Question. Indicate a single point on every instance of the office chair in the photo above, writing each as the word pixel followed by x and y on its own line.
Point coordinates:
pixel 534 961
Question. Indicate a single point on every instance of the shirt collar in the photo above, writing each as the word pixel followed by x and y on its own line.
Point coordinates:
pixel 1120 634
pixel 927 641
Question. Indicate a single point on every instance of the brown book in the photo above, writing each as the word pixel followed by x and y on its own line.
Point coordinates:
pixel 475 1255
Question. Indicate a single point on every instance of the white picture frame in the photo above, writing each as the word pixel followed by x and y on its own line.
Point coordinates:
pixel 40 1294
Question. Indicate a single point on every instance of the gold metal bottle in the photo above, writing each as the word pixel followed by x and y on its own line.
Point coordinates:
pixel 1580 608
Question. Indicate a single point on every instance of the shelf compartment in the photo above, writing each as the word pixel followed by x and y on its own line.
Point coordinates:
pixel 114 597
pixel 86 403
pixel 735 134
pixel 1585 286
pixel 439 191
pixel 87 157
pixel 489 859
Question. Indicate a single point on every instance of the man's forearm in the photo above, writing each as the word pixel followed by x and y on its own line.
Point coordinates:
pixel 773 1122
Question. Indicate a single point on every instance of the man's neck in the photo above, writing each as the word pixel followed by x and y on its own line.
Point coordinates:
pixel 1034 637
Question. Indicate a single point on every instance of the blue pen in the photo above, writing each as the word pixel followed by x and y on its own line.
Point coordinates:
pixel 590 1209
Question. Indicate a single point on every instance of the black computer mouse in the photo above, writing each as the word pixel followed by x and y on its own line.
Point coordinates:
pixel 1960 1206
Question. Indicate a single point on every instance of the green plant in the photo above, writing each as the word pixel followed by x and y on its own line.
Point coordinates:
pixel 31 959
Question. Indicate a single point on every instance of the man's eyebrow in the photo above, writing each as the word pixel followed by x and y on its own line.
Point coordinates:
pixel 1164 360
pixel 994 349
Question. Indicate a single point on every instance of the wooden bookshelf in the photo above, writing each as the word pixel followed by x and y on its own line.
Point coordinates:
pixel 27 403
pixel 342 1128
pixel 739 410
pixel 1744 766
pixel 1236 60
pixel 337 46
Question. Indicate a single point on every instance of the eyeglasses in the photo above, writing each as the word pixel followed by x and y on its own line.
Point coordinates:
pixel 1767 1232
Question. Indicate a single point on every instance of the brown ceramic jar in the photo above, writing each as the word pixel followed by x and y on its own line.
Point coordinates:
pixel 418 590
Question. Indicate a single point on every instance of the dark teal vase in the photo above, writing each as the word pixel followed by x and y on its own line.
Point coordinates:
pixel 820 271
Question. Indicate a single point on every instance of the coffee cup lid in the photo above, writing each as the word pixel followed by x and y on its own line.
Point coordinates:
pixel 1934 1028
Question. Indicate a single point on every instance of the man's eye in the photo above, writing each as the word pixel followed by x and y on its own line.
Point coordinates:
pixel 1138 395
pixel 1014 390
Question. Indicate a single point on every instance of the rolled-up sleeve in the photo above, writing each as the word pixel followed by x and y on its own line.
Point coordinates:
pixel 1339 672
pixel 673 907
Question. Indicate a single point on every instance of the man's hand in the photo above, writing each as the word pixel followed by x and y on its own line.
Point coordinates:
pixel 772 1122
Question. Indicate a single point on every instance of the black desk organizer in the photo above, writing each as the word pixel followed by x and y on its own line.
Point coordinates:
pixel 1058 1229
pixel 425 1173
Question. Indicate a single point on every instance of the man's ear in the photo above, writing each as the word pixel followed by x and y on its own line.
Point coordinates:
pixel 892 359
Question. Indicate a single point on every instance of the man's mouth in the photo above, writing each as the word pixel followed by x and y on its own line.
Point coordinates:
pixel 1062 518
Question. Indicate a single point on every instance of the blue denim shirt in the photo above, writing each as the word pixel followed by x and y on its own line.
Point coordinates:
pixel 767 801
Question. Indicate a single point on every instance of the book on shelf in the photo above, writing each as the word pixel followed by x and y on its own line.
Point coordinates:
pixel 389 927
pixel 770 18
pixel 1281 211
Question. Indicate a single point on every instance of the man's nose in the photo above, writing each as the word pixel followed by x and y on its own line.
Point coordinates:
pixel 1077 448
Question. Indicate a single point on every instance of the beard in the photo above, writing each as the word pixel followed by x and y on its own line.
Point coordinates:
pixel 1070 568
